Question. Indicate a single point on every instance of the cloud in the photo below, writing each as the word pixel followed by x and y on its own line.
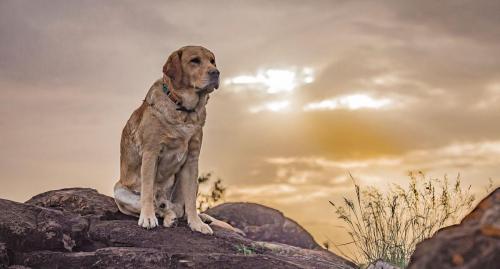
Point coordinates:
pixel 293 180
pixel 319 162
pixel 467 20
pixel 271 106
pixel 351 102
pixel 490 97
pixel 282 194
pixel 272 81
pixel 462 155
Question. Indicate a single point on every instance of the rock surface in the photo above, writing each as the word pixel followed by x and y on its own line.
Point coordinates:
pixel 80 228
pixel 379 264
pixel 81 201
pixel 4 257
pixel 474 243
pixel 264 224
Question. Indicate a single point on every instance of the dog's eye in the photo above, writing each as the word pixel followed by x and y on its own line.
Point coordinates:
pixel 196 60
pixel 212 61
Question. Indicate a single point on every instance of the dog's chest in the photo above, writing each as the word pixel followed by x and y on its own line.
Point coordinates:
pixel 175 149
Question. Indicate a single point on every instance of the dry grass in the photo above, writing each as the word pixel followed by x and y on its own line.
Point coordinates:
pixel 388 225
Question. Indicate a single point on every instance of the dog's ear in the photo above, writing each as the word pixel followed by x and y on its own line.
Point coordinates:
pixel 173 67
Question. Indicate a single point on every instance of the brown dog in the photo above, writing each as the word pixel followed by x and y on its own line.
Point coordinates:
pixel 161 143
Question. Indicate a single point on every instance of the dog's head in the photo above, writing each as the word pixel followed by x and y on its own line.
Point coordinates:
pixel 192 67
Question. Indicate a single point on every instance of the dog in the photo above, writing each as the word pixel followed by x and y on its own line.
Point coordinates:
pixel 161 142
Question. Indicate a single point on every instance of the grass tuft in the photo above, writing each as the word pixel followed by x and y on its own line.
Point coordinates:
pixel 245 250
pixel 388 225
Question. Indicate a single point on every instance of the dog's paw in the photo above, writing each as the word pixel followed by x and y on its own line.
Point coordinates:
pixel 199 226
pixel 169 220
pixel 147 219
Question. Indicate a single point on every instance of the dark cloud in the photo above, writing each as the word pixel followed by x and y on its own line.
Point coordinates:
pixel 462 19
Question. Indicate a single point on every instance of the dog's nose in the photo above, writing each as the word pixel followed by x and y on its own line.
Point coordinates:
pixel 214 73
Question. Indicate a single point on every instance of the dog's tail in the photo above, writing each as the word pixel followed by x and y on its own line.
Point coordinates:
pixel 127 201
pixel 215 222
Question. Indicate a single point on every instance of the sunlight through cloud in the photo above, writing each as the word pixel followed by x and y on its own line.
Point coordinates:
pixel 351 102
pixel 273 80
pixel 271 106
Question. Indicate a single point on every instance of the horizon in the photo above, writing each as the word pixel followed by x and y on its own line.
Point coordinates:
pixel 308 94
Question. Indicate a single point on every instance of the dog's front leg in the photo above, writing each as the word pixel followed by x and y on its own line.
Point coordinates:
pixel 189 185
pixel 188 180
pixel 147 219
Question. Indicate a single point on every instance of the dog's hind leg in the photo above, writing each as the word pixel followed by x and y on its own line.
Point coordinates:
pixel 127 201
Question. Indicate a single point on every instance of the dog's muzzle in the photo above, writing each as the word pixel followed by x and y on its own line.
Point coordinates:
pixel 214 78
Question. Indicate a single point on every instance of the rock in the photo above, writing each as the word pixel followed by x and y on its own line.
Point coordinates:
pixel 474 243
pixel 27 227
pixel 4 257
pixel 112 257
pixel 379 264
pixel 80 228
pixel 82 201
pixel 263 223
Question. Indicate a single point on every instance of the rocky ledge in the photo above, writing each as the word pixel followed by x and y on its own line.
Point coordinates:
pixel 472 244
pixel 80 228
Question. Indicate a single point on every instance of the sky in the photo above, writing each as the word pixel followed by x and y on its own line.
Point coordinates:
pixel 311 91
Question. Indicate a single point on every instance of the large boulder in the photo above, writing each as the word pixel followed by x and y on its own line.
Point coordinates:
pixel 82 201
pixel 263 223
pixel 27 228
pixel 474 243
pixel 80 228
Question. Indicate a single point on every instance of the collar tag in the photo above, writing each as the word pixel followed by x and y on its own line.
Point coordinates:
pixel 165 89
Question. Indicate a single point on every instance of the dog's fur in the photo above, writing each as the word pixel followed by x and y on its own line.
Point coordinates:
pixel 160 145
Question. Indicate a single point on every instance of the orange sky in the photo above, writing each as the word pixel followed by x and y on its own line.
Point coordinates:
pixel 310 92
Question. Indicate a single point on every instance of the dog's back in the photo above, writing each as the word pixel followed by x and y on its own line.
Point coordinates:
pixel 130 157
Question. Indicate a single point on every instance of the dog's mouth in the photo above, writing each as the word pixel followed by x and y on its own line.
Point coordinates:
pixel 210 86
